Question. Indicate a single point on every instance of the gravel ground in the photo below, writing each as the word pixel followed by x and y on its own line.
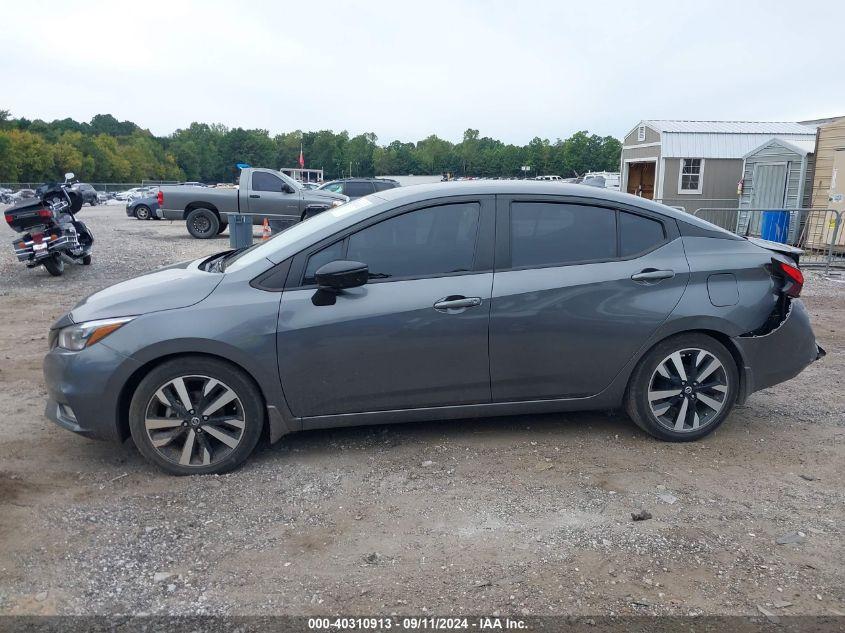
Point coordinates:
pixel 524 515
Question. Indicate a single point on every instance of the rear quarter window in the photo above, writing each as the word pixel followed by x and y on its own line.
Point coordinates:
pixel 638 234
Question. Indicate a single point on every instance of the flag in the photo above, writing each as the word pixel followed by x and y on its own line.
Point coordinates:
pixel 301 157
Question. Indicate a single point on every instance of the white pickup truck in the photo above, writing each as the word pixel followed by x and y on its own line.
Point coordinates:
pixel 263 193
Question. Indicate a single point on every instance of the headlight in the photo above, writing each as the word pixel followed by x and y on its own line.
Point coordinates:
pixel 337 203
pixel 81 335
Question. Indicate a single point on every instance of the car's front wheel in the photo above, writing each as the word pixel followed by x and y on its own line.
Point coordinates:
pixel 195 415
pixel 683 388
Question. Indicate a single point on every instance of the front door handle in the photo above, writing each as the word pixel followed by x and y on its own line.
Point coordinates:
pixel 254 195
pixel 456 302
pixel 653 275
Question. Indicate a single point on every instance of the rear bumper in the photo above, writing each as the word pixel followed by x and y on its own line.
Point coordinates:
pixel 83 390
pixel 779 355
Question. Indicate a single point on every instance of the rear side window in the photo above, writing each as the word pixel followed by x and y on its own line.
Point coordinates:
pixel 357 189
pixel 548 234
pixel 638 234
pixel 262 181
pixel 381 186
pixel 431 241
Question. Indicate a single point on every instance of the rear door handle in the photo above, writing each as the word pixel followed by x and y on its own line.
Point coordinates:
pixel 254 195
pixel 652 274
pixel 456 302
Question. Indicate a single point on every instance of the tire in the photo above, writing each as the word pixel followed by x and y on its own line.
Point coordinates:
pixel 211 447
pixel 221 228
pixel 86 260
pixel 202 223
pixel 55 265
pixel 142 212
pixel 311 212
pixel 706 392
pixel 93 203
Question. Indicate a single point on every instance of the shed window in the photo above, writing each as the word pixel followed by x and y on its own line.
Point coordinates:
pixel 641 134
pixel 689 179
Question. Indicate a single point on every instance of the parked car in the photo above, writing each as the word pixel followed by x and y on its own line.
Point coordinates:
pixel 358 187
pixel 135 192
pixel 438 301
pixel 5 195
pixel 23 194
pixel 89 194
pixel 264 193
pixel 145 208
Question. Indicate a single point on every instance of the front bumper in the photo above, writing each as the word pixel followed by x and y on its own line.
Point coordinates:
pixel 780 354
pixel 83 390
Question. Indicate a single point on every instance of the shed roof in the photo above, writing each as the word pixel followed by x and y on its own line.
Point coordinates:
pixel 730 127
pixel 799 146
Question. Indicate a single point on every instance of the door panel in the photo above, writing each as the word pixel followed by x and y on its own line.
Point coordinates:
pixel 266 197
pixel 384 346
pixel 567 331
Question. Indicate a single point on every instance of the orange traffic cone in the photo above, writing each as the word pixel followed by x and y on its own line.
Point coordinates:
pixel 266 232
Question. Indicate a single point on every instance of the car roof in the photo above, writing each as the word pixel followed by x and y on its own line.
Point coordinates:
pixel 432 191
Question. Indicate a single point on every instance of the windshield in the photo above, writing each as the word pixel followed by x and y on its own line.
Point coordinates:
pixel 295 233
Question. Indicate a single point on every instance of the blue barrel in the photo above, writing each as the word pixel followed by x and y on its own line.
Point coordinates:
pixel 775 227
pixel 240 230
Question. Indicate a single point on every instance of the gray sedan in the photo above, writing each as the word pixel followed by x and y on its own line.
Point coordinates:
pixel 444 301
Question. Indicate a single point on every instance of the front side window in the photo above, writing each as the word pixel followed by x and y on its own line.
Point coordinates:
pixel 319 259
pixel 690 177
pixel 262 181
pixel 335 187
pixel 549 234
pixel 433 241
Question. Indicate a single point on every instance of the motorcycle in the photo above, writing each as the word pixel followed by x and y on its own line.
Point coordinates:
pixel 51 232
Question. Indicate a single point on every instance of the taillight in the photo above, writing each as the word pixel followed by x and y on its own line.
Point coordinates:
pixel 45 214
pixel 160 198
pixel 792 277
pixel 9 218
pixel 37 238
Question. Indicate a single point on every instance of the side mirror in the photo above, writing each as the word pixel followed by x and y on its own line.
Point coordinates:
pixel 341 274
pixel 286 188
pixel 69 176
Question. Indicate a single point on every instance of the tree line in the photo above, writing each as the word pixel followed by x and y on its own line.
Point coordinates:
pixel 107 150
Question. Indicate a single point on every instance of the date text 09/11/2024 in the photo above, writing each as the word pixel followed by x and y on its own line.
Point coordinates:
pixel 417 623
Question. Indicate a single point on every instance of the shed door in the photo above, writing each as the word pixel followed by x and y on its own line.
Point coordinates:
pixel 768 186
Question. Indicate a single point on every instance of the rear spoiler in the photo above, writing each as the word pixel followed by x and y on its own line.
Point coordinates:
pixel 792 251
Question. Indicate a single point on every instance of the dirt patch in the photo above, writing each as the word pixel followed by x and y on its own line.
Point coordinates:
pixel 441 517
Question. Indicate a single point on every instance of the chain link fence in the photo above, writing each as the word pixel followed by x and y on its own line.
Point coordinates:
pixel 818 232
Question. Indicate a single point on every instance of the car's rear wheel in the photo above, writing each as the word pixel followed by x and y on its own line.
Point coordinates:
pixel 142 212
pixel 195 415
pixel 202 223
pixel 55 265
pixel 683 388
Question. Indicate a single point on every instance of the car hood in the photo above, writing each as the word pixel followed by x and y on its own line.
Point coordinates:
pixel 169 288
pixel 318 195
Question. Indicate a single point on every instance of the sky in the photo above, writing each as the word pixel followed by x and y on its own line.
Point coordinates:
pixel 404 70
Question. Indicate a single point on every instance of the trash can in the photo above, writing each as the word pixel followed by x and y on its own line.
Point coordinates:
pixel 775 226
pixel 240 230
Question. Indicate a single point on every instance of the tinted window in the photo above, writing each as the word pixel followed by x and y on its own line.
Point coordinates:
pixel 426 242
pixel 262 181
pixel 357 189
pixel 638 234
pixel 381 186
pixel 543 233
pixel 320 258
